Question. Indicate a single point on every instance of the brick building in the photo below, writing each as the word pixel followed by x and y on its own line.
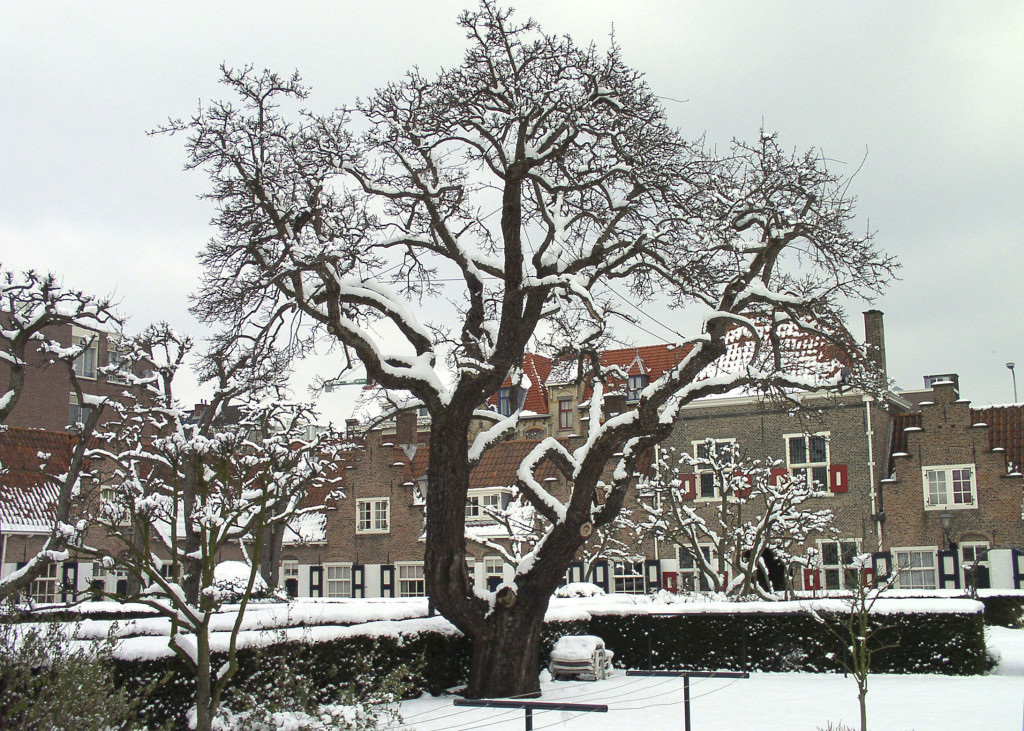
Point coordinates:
pixel 47 400
pixel 955 489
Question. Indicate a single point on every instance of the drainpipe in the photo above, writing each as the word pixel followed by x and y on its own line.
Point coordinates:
pixel 657 540
pixel 871 469
pixel 3 555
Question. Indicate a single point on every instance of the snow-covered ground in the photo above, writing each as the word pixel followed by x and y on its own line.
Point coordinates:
pixel 790 701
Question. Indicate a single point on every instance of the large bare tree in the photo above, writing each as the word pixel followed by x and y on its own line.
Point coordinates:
pixel 517 189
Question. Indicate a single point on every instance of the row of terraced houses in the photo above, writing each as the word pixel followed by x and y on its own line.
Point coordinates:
pixel 919 479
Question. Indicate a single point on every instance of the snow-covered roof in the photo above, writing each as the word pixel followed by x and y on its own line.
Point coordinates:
pixel 27 494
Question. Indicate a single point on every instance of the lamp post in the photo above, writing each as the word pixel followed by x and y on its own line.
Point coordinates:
pixel 946 520
pixel 1013 375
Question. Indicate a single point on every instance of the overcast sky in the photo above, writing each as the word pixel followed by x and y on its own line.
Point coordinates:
pixel 932 93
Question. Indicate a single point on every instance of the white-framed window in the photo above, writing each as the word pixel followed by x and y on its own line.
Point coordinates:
pixel 44 589
pixel 916 567
pixel 373 515
pixel 691 578
pixel 410 580
pixel 950 487
pixel 708 487
pixel 167 571
pixel 807 458
pixel 481 504
pixel 494 572
pixel 973 555
pixel 120 362
pixel 628 577
pixel 565 413
pixel 76 414
pixel 339 580
pixel 838 563
pixel 289 570
pixel 634 385
pixel 85 363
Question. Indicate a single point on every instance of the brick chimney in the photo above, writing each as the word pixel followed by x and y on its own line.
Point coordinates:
pixel 405 428
pixel 874 336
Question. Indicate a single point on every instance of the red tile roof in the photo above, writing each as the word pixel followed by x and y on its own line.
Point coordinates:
pixel 28 456
pixel 497 468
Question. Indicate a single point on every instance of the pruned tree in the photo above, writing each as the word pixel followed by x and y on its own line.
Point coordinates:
pixel 180 489
pixel 31 306
pixel 519 187
pixel 755 513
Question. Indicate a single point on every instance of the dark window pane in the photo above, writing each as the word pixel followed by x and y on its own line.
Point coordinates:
pixel 820 477
pixel 707 485
pixel 832 579
pixel 819 450
pixel 830 554
pixel 797 450
pixel 849 552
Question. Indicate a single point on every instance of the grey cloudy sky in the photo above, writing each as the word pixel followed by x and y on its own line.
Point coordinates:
pixel 931 92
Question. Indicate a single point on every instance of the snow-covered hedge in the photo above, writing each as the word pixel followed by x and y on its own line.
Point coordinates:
pixel 788 636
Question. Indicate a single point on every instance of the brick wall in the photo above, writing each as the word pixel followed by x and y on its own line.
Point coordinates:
pixel 948 437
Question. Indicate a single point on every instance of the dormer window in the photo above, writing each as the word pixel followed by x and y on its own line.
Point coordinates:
pixel 634 385
pixel 505 401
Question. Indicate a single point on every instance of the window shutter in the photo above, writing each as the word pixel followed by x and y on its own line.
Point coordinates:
pixel 358 581
pixel 387 581
pixel 576 571
pixel 601 574
pixel 881 565
pixel 812 580
pixel 69 592
pixel 689 485
pixel 778 474
pixel 837 478
pixel 949 570
pixel 316 581
pixel 653 570
pixel 744 492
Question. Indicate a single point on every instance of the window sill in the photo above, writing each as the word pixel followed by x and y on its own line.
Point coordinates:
pixel 969 506
pixel 372 532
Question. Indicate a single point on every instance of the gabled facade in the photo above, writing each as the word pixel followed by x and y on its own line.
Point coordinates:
pixel 955 491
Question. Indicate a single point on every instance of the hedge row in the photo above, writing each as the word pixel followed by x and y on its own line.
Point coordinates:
pixel 952 644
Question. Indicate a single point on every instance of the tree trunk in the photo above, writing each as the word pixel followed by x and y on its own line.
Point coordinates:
pixel 204 682
pixel 506 655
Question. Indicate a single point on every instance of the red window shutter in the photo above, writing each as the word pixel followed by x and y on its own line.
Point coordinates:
pixel 812 580
pixel 837 478
pixel 689 486
pixel 778 474
pixel 867 576
pixel 744 492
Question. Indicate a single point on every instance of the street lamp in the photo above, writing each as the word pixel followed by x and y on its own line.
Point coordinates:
pixel 1013 375
pixel 946 520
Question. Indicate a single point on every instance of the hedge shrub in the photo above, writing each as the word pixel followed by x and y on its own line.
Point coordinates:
pixel 952 644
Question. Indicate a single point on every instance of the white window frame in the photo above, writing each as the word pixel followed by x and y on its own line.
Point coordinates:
pixel 289 570
pixel 698 479
pixel 338 586
pixel 477 502
pixel 86 363
pixel 634 385
pixel 373 515
pixel 494 566
pixel 697 579
pixel 410 579
pixel 505 401
pixel 950 481
pixel 975 548
pixel 806 468
pixel 844 568
pixel 628 573
pixel 43 589
pixel 904 573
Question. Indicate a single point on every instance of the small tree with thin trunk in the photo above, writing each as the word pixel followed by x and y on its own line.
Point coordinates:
pixel 432 230
pixel 181 489
pixel 31 305
pixel 754 512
